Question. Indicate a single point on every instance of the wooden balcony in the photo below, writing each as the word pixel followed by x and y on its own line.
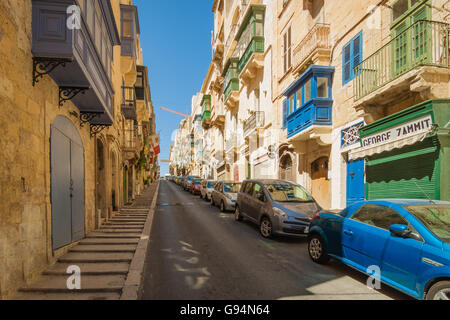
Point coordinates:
pixel 255 121
pixel 315 48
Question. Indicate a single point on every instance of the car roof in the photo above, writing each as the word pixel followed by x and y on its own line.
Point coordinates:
pixel 408 202
pixel 228 181
pixel 267 181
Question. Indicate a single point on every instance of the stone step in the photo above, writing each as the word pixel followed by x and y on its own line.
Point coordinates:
pixel 123 231
pixel 91 268
pixel 128 219
pixel 97 234
pixel 86 257
pixel 104 248
pixel 121 227
pixel 118 224
pixel 54 284
pixel 109 241
pixel 69 296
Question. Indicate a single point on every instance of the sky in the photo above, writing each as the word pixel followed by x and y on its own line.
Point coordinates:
pixel 176 43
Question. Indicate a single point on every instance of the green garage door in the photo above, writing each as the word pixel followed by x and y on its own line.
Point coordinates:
pixel 407 173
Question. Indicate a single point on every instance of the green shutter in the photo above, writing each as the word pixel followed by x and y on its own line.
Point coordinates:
pixel 408 173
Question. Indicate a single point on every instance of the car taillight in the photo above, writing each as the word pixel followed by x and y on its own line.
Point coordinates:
pixel 315 216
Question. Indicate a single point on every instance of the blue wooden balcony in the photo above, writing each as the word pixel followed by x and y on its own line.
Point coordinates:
pixel 307 109
pixel 78 59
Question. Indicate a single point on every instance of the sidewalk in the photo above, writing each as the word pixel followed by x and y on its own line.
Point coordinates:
pixel 111 259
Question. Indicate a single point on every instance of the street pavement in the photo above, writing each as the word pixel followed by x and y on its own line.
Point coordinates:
pixel 196 252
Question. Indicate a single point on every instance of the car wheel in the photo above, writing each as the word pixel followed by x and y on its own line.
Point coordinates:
pixel 222 206
pixel 439 291
pixel 265 228
pixel 237 214
pixel 316 249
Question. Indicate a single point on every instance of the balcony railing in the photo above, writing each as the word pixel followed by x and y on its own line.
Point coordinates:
pixel 317 38
pixel 129 103
pixel 255 121
pixel 425 43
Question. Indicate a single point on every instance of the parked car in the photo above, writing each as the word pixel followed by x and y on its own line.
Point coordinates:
pixel 196 186
pixel 188 182
pixel 206 189
pixel 409 240
pixel 225 195
pixel 277 206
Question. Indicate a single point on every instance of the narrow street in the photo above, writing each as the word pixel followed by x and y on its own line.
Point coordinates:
pixel 196 252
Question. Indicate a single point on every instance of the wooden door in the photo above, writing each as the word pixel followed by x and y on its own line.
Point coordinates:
pixel 320 187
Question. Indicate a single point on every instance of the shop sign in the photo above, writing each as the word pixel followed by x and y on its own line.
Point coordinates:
pixel 403 131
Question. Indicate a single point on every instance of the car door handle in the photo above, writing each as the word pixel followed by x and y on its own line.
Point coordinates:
pixel 348 232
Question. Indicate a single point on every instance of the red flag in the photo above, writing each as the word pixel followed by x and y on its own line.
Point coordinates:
pixel 157 149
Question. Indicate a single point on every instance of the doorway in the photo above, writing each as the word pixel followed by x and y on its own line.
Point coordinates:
pixel 67 183
pixel 286 168
pixel 320 185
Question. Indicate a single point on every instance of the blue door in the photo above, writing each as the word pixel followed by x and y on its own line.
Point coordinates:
pixel 355 182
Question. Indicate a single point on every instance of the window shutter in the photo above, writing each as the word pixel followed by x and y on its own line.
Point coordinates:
pixel 357 43
pixel 285 103
pixel 346 64
pixel 289 48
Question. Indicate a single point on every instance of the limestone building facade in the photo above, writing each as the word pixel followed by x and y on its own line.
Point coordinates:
pixel 71 74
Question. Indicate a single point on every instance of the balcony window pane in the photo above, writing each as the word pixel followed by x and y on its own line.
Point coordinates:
pixel 259 29
pixel 126 29
pixel 139 80
pixel 322 87
pixel 90 16
pixel 308 91
pixel 291 104
pixel 399 8
pixel 98 34
pixel 299 98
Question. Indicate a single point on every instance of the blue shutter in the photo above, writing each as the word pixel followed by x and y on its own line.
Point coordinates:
pixel 346 63
pixel 351 57
pixel 357 52
pixel 285 109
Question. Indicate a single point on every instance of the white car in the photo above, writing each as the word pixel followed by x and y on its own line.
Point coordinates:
pixel 207 189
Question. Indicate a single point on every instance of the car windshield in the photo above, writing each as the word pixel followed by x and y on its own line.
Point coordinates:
pixel 232 187
pixel 210 184
pixel 284 192
pixel 197 181
pixel 435 217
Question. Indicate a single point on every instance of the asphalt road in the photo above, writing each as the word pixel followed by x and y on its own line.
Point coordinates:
pixel 198 253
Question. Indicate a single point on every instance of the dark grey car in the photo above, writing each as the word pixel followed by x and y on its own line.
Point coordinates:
pixel 277 206
pixel 224 195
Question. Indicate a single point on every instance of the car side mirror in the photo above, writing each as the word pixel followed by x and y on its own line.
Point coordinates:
pixel 400 230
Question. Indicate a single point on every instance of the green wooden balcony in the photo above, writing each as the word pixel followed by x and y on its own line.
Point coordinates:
pixel 425 43
pixel 206 109
pixel 231 77
pixel 250 36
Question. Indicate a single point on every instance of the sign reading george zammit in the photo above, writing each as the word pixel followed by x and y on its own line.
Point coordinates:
pixel 405 130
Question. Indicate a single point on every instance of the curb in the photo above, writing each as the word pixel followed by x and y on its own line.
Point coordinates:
pixel 133 283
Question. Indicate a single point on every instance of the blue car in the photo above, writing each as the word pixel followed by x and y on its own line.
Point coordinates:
pixel 408 241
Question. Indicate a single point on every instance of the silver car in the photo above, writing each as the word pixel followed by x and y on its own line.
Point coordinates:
pixel 277 207
pixel 224 195
pixel 206 189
